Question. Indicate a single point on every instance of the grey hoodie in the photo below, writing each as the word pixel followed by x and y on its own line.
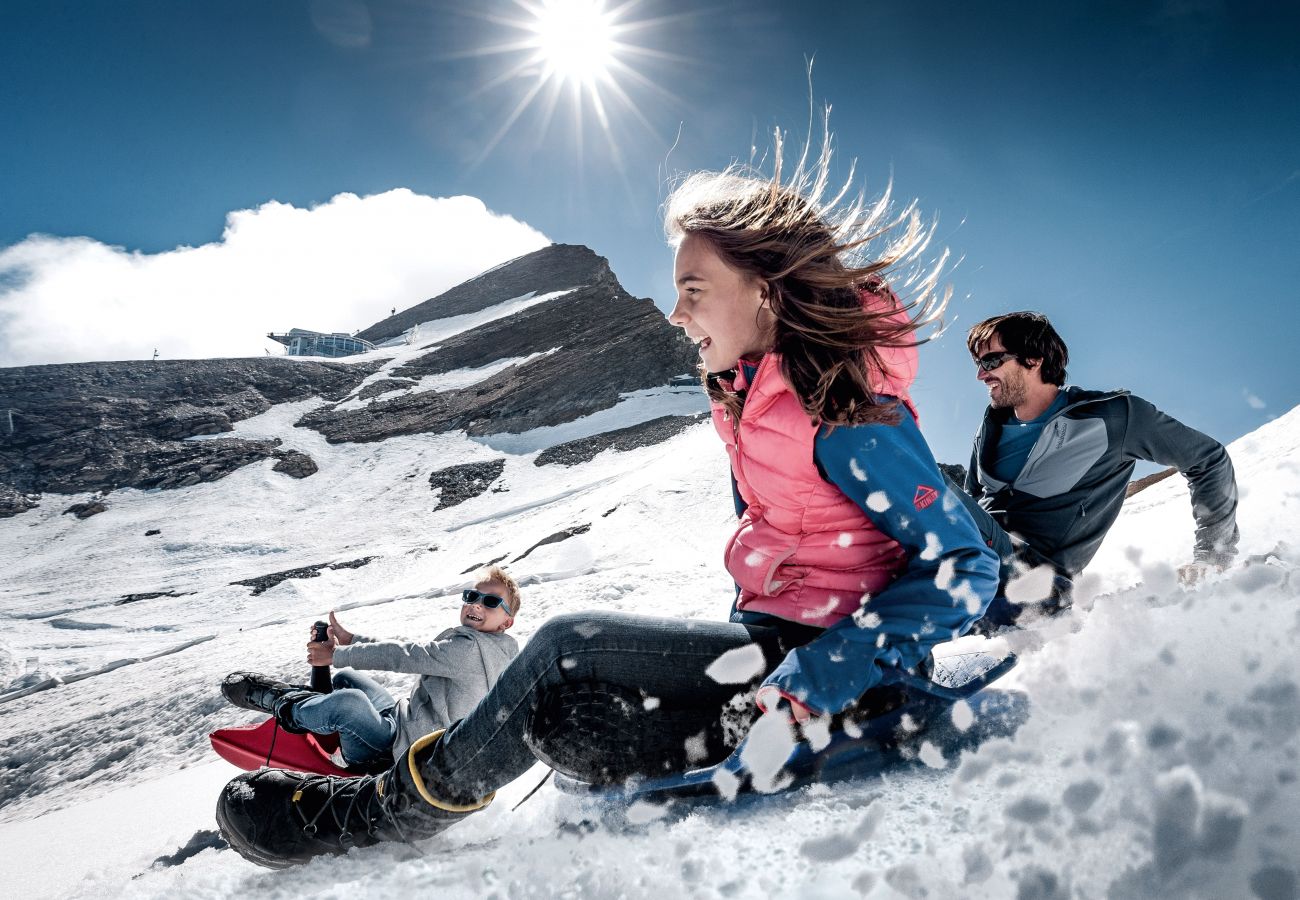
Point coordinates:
pixel 456 670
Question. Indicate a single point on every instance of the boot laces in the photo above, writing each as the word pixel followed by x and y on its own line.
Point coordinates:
pixel 371 812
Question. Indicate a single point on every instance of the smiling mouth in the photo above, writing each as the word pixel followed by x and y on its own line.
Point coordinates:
pixel 473 616
pixel 703 343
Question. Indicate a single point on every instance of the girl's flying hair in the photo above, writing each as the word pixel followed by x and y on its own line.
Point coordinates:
pixel 811 250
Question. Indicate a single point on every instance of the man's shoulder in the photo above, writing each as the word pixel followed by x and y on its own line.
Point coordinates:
pixel 1086 403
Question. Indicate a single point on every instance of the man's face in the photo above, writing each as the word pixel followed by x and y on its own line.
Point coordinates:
pixel 479 617
pixel 1006 383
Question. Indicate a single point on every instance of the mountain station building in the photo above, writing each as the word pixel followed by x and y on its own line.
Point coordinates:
pixel 314 343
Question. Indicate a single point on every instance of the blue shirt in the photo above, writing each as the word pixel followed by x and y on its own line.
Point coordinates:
pixel 1017 439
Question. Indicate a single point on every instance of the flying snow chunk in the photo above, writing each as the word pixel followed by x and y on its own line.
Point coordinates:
pixel 727 783
pixel 754 559
pixel 878 501
pixel 1033 586
pixel 818 733
pixel 766 749
pixel 963 717
pixel 856 470
pixel 947 572
pixel 739 666
pixel 932 756
pixel 643 813
pixel 932 546
pixel 845 539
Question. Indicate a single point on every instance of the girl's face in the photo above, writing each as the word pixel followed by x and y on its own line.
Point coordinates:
pixel 720 309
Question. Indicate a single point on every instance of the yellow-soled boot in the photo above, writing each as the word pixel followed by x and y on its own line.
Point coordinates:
pixel 278 819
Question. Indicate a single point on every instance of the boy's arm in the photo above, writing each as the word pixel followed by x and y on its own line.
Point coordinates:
pixel 444 656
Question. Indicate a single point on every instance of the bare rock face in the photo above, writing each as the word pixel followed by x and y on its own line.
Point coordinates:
pixel 86 510
pixel 643 434
pixel 295 464
pixel 554 268
pixel 598 342
pixel 464 482
pixel 81 427
pixel 13 502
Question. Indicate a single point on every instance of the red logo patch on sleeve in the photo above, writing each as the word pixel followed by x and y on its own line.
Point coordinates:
pixel 925 495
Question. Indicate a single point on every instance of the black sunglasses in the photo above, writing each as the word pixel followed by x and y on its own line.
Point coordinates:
pixel 990 361
pixel 487 601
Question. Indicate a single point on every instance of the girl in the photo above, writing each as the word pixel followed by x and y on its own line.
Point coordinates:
pixel 851 558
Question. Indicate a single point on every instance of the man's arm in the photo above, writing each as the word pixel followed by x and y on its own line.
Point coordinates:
pixel 1204 462
pixel 972 485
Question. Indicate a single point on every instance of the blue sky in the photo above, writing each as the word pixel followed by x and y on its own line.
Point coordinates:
pixel 1132 169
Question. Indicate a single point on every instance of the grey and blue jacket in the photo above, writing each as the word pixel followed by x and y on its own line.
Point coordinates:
pixel 1073 484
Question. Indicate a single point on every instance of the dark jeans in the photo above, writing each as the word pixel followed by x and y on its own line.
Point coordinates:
pixel 644 703
pixel 1010 551
pixel 359 709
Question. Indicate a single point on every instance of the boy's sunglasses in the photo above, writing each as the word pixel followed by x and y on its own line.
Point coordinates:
pixel 990 361
pixel 487 601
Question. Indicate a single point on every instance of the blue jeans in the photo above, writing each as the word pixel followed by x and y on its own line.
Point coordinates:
pixel 647 674
pixel 359 709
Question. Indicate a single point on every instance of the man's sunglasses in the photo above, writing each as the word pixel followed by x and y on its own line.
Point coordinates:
pixel 990 361
pixel 487 601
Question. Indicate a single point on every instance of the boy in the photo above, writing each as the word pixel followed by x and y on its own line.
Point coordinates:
pixel 457 668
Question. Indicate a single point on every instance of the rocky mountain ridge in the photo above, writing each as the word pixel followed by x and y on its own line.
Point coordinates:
pixel 80 427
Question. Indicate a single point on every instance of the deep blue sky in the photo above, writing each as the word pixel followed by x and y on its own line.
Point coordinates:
pixel 1130 168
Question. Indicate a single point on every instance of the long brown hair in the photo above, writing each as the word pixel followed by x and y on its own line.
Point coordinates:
pixel 811 251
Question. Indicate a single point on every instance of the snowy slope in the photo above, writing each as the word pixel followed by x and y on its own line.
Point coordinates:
pixel 1162 757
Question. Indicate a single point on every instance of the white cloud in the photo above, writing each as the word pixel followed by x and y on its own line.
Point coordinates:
pixel 340 266
pixel 1251 400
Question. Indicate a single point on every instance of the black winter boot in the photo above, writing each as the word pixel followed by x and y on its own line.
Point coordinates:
pixel 249 690
pixel 278 819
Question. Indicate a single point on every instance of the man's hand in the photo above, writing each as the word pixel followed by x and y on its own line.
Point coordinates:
pixel 341 635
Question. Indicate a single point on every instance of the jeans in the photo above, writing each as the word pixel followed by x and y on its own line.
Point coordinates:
pixel 649 677
pixel 359 709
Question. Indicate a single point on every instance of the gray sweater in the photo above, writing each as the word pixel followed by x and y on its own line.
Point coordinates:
pixel 456 670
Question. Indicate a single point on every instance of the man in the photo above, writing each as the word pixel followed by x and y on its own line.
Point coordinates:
pixel 1051 463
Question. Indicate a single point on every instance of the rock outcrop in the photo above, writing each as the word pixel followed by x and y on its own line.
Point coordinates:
pixel 554 268
pixel 464 482
pixel 644 434
pixel 80 427
pixel 599 342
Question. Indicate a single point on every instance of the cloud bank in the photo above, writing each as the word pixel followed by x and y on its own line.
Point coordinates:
pixel 340 266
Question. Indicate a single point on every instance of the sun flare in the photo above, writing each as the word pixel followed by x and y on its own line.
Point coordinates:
pixel 575 39
pixel 579 56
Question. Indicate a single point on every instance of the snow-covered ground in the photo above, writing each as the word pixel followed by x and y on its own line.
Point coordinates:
pixel 1162 757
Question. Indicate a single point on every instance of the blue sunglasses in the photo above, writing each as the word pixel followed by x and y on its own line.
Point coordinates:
pixel 487 601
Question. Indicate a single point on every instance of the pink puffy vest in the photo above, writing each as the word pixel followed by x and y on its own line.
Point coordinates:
pixel 803 550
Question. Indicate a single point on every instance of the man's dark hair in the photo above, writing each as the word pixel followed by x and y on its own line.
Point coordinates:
pixel 1029 336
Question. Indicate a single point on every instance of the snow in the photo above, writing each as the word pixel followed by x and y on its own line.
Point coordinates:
pixel 1161 758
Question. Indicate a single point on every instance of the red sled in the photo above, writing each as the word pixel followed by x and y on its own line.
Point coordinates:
pixel 251 747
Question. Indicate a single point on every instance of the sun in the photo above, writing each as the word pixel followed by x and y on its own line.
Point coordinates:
pixel 575 40
pixel 576 55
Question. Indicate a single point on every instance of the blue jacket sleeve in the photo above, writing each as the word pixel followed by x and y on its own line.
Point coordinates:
pixel 949 579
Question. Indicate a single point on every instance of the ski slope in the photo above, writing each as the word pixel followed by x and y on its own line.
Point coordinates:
pixel 1162 757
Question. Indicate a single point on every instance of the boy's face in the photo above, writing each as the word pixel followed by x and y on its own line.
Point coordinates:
pixel 479 617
